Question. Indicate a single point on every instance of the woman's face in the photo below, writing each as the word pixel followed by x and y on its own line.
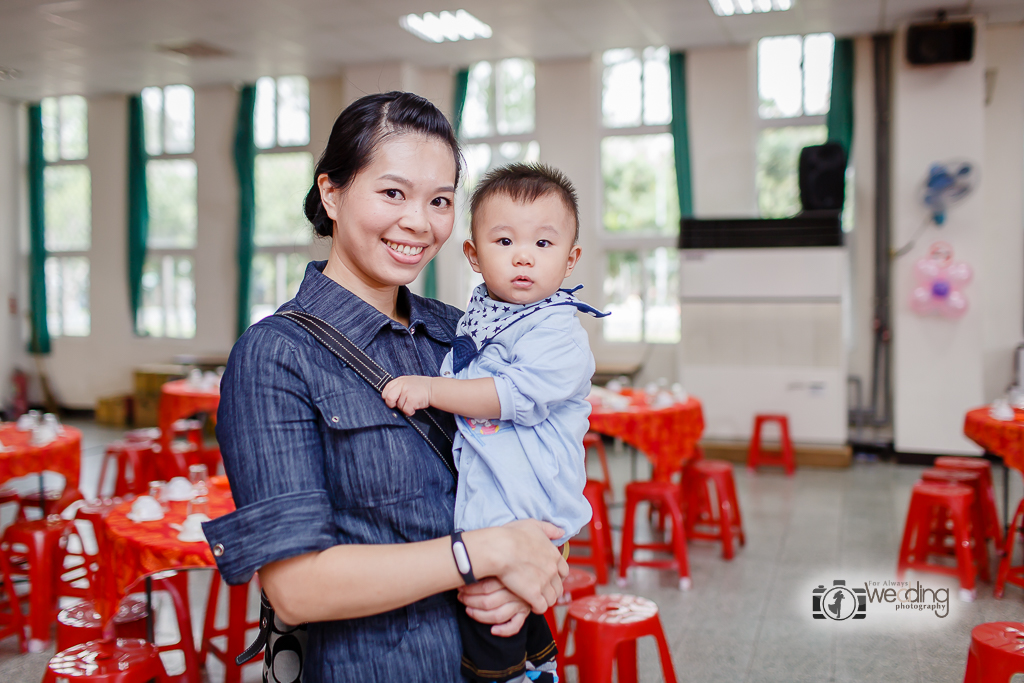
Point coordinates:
pixel 397 212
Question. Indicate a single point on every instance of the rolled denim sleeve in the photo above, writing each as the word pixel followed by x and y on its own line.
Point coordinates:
pixel 267 428
pixel 546 367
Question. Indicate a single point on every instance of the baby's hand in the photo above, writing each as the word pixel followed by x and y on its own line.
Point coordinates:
pixel 408 393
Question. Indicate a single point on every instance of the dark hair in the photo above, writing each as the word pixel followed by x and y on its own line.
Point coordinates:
pixel 359 131
pixel 526 183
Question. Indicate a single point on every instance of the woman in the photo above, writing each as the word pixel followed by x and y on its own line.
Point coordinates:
pixel 343 508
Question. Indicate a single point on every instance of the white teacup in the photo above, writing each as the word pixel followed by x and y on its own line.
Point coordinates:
pixel 195 378
pixel 146 509
pixel 43 435
pixel 28 421
pixel 192 528
pixel 178 489
pixel 1001 410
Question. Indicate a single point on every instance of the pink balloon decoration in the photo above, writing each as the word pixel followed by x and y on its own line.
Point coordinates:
pixel 939 283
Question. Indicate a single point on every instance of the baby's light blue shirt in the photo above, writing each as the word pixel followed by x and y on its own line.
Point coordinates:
pixel 530 462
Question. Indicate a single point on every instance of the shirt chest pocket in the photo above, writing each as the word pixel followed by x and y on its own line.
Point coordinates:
pixel 371 458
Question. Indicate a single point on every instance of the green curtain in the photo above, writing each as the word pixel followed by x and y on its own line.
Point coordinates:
pixel 458 103
pixel 681 132
pixel 840 114
pixel 138 205
pixel 245 166
pixel 39 339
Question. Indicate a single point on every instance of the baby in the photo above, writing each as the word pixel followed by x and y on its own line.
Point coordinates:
pixel 517 378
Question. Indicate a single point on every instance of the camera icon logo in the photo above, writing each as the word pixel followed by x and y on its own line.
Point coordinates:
pixel 839 603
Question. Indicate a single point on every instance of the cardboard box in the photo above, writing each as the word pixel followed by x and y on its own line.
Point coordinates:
pixel 114 411
pixel 148 381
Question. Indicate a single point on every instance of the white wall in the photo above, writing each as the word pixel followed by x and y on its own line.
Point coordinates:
pixel 1002 190
pixel 10 174
pixel 938 364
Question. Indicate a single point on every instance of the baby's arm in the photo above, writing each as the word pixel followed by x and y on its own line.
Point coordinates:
pixel 476 398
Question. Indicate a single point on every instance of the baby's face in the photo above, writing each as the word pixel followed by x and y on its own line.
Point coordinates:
pixel 523 250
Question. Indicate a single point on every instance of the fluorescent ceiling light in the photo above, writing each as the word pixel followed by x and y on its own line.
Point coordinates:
pixel 436 28
pixel 727 8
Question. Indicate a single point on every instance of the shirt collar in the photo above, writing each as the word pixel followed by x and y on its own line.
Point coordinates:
pixel 321 296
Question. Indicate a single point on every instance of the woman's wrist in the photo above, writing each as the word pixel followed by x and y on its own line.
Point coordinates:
pixel 485 551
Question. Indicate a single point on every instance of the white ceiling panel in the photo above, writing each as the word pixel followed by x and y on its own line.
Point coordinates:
pixel 99 46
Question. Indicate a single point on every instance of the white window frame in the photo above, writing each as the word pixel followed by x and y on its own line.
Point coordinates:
pixel 282 251
pixel 174 252
pixel 641 244
pixel 76 253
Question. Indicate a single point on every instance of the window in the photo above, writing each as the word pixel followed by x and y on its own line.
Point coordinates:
pixel 168 307
pixel 68 215
pixel 284 172
pixel 497 129
pixel 794 82
pixel 640 199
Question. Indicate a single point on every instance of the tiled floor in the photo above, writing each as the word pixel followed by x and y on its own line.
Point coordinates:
pixel 750 619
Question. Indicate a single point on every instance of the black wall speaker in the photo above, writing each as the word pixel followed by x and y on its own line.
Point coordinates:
pixel 944 42
pixel 823 177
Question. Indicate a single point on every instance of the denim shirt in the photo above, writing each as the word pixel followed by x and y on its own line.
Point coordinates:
pixel 316 459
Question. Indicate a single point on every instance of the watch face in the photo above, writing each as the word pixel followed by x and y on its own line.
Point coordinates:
pixel 461 557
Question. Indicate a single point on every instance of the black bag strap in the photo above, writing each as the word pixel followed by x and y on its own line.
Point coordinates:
pixel 423 421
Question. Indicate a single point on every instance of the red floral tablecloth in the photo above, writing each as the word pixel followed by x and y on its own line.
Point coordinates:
pixel 1005 438
pixel 667 436
pixel 137 549
pixel 20 457
pixel 179 399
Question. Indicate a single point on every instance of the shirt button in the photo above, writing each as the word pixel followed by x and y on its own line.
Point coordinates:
pixel 334 419
pixel 394 414
pixel 218 550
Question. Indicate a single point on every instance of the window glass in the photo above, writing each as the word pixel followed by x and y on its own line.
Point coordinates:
pixel 292 111
pixel 778 159
pixel 172 203
pixel 657 87
pixel 68 208
pixel 622 95
pixel 623 297
pixel 153 120
pixel 516 98
pixel 275 279
pixel 168 297
pixel 264 114
pixel 65 128
pixel 476 118
pixel 179 119
pixel 661 303
pixel 67 296
pixel 779 79
pixel 640 193
pixel 282 181
pixel 818 52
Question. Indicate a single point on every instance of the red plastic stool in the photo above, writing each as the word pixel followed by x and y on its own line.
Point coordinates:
pixel 579 584
pixel 143 434
pixel 593 440
pixel 238 624
pixel 997 652
pixel 124 660
pixel 993 529
pixel 605 629
pixel 133 464
pixel 756 457
pixel 943 541
pixel 40 539
pixel 600 538
pixel 665 495
pixel 12 621
pixel 1008 572
pixel 81 623
pixel 725 523
pixel 925 499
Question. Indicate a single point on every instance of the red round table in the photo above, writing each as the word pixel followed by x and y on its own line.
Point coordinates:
pixel 139 549
pixel 20 457
pixel 1005 438
pixel 667 436
pixel 178 400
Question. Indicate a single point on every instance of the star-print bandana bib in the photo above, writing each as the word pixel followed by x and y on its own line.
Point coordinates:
pixel 486 318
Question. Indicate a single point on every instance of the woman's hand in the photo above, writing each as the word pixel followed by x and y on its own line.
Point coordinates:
pixel 520 555
pixel 489 602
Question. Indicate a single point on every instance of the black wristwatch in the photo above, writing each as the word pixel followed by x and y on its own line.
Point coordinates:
pixel 461 556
